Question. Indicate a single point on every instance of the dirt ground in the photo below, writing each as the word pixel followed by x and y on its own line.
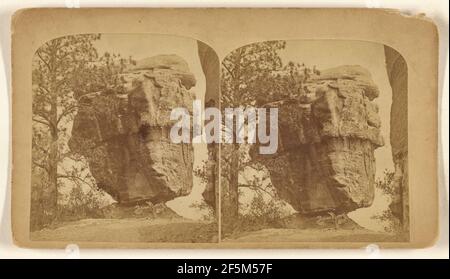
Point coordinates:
pixel 187 231
pixel 131 230
pixel 312 235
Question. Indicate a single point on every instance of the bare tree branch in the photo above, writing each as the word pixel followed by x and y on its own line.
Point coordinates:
pixel 42 122
pixel 75 178
pixel 256 188
pixel 66 112
pixel 228 70
pixel 43 60
pixel 40 165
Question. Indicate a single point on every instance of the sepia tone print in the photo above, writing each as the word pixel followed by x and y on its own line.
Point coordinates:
pixel 104 157
pixel 340 171
pixel 176 128
pixel 104 167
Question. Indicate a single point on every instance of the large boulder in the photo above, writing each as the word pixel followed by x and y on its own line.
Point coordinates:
pixel 325 160
pixel 171 62
pixel 125 134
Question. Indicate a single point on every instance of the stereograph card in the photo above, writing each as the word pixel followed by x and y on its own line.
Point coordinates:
pixel 224 128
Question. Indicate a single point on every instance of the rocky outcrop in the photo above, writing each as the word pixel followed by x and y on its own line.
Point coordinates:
pixel 398 77
pixel 124 134
pixel 327 137
pixel 211 68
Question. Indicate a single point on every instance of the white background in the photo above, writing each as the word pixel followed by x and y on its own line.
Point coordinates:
pixel 435 9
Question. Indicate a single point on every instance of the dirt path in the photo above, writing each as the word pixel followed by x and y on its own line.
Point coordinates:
pixel 188 231
pixel 131 230
pixel 311 235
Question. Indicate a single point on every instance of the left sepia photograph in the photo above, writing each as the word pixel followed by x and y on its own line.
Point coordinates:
pixel 103 166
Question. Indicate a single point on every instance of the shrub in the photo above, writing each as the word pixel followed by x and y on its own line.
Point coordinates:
pixel 392 224
pixel 81 204
pixel 260 214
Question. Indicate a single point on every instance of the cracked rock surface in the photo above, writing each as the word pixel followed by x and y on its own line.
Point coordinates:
pixel 125 135
pixel 325 160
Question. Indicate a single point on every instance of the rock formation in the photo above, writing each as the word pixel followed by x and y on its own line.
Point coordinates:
pixel 211 68
pixel 125 134
pixel 398 77
pixel 327 137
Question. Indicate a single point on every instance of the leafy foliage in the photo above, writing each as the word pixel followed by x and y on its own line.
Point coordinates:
pixel 261 213
pixel 64 69
pixel 243 73
pixel 81 204
pixel 287 83
pixel 254 76
pixel 265 213
pixel 386 185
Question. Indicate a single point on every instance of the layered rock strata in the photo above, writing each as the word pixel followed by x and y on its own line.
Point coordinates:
pixel 327 136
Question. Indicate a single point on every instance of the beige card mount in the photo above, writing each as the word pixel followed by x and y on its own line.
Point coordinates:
pixel 224 128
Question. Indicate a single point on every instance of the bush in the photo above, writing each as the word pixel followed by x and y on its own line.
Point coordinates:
pixel 260 214
pixel 81 205
pixel 392 224
pixel 41 213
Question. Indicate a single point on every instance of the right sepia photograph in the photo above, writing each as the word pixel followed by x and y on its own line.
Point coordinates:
pixel 331 165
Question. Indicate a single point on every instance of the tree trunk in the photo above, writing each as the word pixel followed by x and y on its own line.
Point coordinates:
pixel 234 167
pixel 234 182
pixel 52 200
